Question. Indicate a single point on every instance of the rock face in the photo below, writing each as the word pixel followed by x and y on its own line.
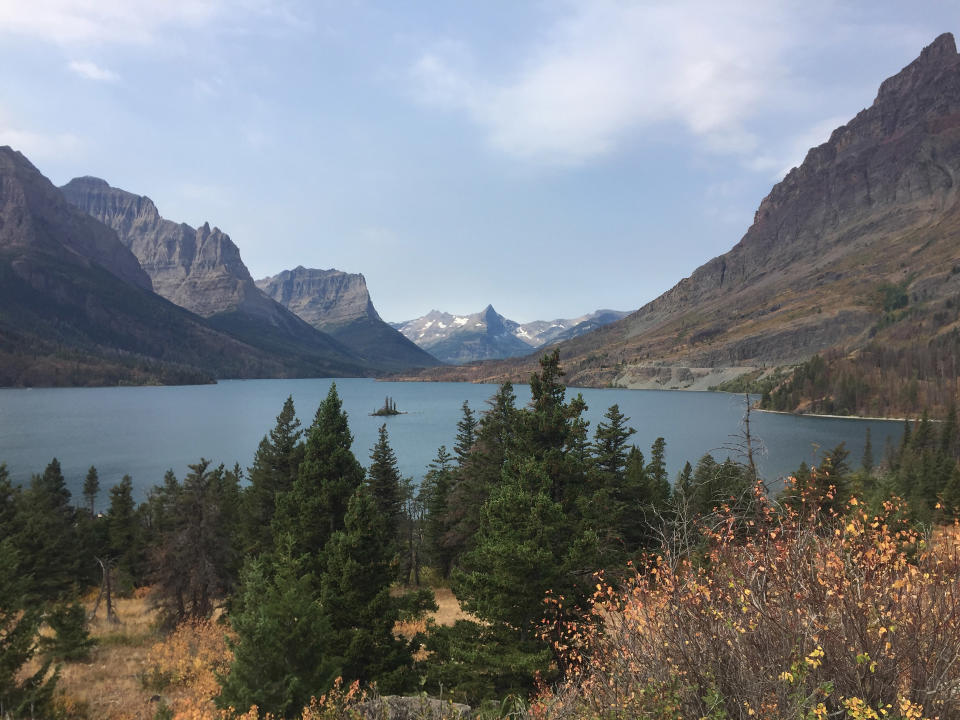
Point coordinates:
pixel 35 215
pixel 77 309
pixel 197 268
pixel 487 334
pixel 339 303
pixel 200 269
pixel 874 207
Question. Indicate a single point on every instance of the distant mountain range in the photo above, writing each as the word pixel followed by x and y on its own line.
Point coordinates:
pixel 98 288
pixel 461 339
pixel 855 254
pixel 76 308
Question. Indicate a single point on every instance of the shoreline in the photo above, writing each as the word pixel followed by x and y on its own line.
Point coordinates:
pixel 835 417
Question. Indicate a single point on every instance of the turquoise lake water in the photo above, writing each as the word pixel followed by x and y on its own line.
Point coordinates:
pixel 143 431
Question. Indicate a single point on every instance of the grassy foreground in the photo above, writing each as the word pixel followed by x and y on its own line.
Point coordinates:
pixel 136 673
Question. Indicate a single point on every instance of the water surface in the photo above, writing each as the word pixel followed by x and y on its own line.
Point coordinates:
pixel 143 431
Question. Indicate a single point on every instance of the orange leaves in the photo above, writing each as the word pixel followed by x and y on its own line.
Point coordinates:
pixel 800 615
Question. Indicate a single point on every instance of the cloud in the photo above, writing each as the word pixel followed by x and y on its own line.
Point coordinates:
pixel 132 22
pixel 39 146
pixel 92 71
pixel 610 69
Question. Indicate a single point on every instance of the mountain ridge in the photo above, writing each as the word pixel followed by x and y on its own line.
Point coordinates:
pixel 487 334
pixel 873 208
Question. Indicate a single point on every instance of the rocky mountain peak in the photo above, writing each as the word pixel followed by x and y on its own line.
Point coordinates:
pixel 937 57
pixel 33 213
pixel 327 299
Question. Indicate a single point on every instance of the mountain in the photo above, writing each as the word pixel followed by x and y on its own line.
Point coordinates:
pixel 76 308
pixel 545 332
pixel 853 252
pixel 339 304
pixel 459 339
pixel 485 335
pixel 200 269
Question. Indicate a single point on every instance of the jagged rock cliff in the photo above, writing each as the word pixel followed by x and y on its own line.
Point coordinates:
pixel 34 215
pixel 77 309
pixel 339 303
pixel 876 206
pixel 200 269
pixel 197 268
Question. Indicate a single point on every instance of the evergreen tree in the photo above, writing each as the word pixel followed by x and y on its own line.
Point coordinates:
pixel 280 658
pixel 435 497
pixel 125 538
pixel 466 435
pixel 47 539
pixel 275 467
pixel 91 488
pixel 385 483
pixel 481 470
pixel 950 435
pixel 610 446
pixel 315 506
pixel 21 695
pixel 658 484
pixel 71 639
pixel 867 462
pixel 356 600
pixel 196 559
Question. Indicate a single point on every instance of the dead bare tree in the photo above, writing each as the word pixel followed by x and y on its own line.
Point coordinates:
pixel 106 591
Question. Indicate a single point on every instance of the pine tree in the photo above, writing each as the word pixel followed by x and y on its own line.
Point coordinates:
pixel 466 434
pixel 280 658
pixel 47 540
pixel 275 467
pixel 125 538
pixel 658 484
pixel 950 435
pixel 196 559
pixel 867 462
pixel 91 488
pixel 385 483
pixel 21 695
pixel 356 600
pixel 481 470
pixel 315 506
pixel 610 445
pixel 71 639
pixel 435 497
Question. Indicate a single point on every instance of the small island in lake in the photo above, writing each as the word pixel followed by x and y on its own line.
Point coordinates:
pixel 389 408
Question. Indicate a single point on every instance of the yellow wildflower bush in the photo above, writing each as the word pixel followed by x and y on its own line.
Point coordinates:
pixel 790 613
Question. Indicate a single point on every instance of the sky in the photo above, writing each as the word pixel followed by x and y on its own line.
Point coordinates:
pixel 549 158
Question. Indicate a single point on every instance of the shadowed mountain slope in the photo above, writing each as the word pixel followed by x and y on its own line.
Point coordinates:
pixel 76 308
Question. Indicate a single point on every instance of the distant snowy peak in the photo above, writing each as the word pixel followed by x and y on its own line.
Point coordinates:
pixel 544 332
pixel 487 334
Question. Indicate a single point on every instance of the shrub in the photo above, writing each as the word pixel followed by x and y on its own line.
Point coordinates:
pixel 792 616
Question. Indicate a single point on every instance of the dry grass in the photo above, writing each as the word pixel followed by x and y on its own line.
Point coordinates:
pixel 449 611
pixel 115 683
pixel 109 685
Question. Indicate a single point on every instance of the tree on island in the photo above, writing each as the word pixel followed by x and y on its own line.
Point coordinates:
pixel 389 408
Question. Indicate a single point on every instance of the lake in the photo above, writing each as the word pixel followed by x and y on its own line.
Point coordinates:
pixel 143 431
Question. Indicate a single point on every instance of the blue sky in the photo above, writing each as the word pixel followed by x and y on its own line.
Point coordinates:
pixel 550 158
